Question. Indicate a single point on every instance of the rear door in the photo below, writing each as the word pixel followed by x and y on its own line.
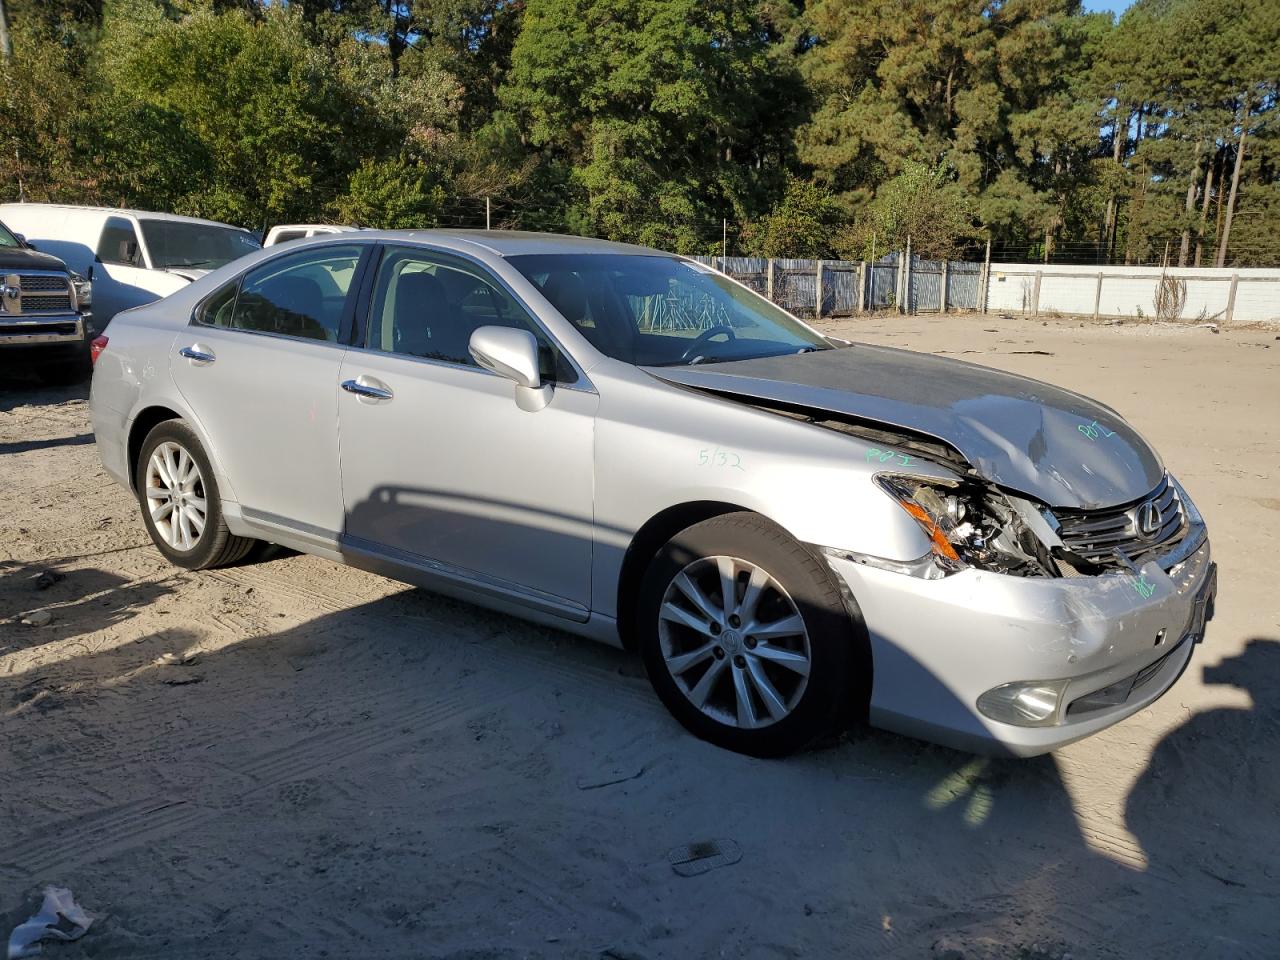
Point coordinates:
pixel 259 366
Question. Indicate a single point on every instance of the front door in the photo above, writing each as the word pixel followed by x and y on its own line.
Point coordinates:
pixel 120 276
pixel 445 471
pixel 259 364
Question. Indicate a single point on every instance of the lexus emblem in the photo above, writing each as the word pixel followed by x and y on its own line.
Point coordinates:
pixel 1149 520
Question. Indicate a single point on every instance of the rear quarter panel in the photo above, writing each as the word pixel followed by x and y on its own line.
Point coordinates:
pixel 131 376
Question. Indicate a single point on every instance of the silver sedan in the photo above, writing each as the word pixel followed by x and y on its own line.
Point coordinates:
pixel 795 533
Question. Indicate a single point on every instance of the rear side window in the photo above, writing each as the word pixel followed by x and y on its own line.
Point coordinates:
pixel 296 296
pixel 119 243
pixel 217 310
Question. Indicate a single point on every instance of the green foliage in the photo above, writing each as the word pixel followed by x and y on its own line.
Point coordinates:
pixel 921 204
pixel 812 127
pixel 659 107
pixel 391 194
pixel 806 224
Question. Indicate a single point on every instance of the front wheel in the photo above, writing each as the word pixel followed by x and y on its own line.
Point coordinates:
pixel 747 639
pixel 180 503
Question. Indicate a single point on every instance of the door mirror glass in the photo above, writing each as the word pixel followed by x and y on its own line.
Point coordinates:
pixel 509 353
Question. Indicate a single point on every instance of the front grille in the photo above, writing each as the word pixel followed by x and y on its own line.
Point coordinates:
pixel 36 293
pixel 36 283
pixel 46 303
pixel 1097 535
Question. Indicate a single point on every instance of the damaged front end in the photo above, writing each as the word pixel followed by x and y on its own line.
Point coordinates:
pixel 970 522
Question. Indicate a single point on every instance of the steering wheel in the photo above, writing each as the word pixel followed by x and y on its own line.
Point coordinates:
pixel 704 338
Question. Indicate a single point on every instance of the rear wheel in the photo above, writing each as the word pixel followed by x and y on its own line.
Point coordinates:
pixel 747 639
pixel 180 503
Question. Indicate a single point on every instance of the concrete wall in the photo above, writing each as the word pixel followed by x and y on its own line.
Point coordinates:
pixel 1127 290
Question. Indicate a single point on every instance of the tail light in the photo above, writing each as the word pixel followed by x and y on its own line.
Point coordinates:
pixel 96 346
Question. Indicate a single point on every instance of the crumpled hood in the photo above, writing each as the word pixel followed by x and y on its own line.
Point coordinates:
pixel 16 259
pixel 1024 435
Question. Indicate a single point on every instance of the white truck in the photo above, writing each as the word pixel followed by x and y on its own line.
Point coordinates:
pixel 284 232
pixel 131 256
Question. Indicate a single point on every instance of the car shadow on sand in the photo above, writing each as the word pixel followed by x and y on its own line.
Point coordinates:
pixel 21 387
pixel 415 770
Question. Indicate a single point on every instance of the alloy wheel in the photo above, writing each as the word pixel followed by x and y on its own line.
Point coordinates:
pixel 175 496
pixel 734 642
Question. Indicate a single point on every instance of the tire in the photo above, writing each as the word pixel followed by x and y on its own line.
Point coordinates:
pixel 203 546
pixel 800 701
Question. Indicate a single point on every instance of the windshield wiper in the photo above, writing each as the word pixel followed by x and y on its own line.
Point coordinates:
pixel 190 263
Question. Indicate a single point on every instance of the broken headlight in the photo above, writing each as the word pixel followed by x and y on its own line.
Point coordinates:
pixel 969 525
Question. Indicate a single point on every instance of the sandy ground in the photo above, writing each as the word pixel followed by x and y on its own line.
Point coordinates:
pixel 292 759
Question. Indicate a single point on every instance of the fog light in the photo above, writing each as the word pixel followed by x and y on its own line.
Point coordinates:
pixel 1025 704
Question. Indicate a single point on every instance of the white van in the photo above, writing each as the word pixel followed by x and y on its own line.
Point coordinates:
pixel 131 256
pixel 284 232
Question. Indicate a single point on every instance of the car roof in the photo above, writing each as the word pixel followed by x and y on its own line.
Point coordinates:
pixel 505 243
pixel 124 212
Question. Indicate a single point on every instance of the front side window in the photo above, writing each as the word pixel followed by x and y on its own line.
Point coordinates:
pixel 293 296
pixel 202 246
pixel 428 305
pixel 660 310
pixel 119 243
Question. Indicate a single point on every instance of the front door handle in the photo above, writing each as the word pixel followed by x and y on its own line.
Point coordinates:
pixel 366 391
pixel 197 353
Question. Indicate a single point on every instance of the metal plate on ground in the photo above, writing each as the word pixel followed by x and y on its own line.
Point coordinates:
pixel 692 859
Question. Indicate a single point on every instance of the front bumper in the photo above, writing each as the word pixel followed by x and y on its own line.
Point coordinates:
pixel 938 645
pixel 44 330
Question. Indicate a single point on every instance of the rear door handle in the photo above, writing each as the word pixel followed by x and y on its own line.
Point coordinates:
pixel 197 353
pixel 366 391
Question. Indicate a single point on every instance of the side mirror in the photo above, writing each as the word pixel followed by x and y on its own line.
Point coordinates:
pixel 513 354
pixel 22 240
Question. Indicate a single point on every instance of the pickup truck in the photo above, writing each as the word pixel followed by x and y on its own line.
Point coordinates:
pixel 46 323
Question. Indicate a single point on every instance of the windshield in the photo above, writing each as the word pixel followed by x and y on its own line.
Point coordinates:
pixel 661 311
pixel 174 243
pixel 7 239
